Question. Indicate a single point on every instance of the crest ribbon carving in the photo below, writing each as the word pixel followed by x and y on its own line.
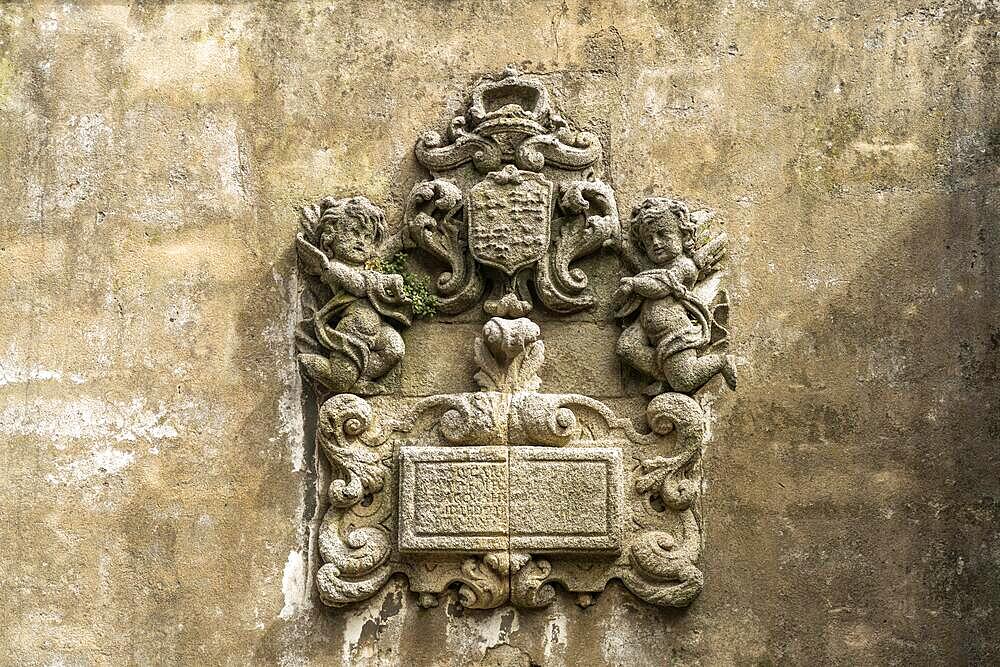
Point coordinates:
pixel 507 494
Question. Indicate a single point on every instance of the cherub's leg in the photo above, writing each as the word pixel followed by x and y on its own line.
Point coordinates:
pixel 687 372
pixel 633 348
pixel 336 373
pixel 339 371
pixel 387 351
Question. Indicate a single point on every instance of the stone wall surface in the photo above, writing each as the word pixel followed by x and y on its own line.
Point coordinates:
pixel 159 480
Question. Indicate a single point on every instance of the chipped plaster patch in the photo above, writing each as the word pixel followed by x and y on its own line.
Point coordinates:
pixel 48 25
pixel 884 147
pixel 474 634
pixel 293 584
pixel 107 461
pixel 281 340
pixel 373 632
pixel 22 375
pixel 14 371
pixel 59 421
pixel 555 641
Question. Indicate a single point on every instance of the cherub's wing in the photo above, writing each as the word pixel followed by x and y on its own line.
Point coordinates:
pixel 707 257
pixel 391 246
pixel 708 289
pixel 311 257
pixel 309 219
pixel 710 293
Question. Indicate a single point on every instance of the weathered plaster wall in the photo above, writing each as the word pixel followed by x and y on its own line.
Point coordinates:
pixel 157 481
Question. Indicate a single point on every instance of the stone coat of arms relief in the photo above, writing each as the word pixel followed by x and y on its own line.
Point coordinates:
pixel 508 492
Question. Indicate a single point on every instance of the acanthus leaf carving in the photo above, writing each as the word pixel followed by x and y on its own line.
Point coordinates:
pixel 590 222
pixel 530 587
pixel 343 423
pixel 509 355
pixel 438 155
pixel 564 149
pixel 484 583
pixel 434 222
pixel 663 569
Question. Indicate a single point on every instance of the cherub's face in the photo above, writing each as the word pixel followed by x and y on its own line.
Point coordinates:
pixel 662 240
pixel 349 239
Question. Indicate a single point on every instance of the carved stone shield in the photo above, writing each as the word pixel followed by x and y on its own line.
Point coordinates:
pixel 509 213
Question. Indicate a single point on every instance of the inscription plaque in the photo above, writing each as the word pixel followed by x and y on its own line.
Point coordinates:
pixel 453 498
pixel 565 499
pixel 496 498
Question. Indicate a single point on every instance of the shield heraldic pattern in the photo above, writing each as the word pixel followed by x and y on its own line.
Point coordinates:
pixel 503 494
pixel 509 214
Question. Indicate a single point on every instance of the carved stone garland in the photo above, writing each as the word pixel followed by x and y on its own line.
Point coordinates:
pixel 504 492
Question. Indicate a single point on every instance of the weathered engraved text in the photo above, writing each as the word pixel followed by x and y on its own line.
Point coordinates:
pixel 453 498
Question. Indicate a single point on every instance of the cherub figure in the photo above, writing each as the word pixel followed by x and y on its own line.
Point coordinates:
pixel 340 239
pixel 674 324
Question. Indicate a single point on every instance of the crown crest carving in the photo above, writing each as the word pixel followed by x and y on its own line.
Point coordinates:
pixel 514 201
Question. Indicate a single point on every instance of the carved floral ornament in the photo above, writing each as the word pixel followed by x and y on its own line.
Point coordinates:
pixel 505 493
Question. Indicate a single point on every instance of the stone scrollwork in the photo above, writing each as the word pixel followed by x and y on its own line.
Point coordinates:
pixel 509 120
pixel 663 571
pixel 343 422
pixel 355 566
pixel 484 582
pixel 499 493
pixel 355 556
pixel 509 494
pixel 434 222
pixel 589 222
pixel 530 587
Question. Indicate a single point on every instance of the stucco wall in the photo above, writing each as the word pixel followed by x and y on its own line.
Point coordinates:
pixel 158 476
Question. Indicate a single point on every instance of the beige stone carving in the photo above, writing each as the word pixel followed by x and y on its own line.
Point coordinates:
pixel 506 492
pixel 348 341
pixel 670 300
pixel 514 200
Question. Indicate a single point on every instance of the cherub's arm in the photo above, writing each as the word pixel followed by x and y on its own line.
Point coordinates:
pixel 341 276
pixel 655 284
pixel 337 275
